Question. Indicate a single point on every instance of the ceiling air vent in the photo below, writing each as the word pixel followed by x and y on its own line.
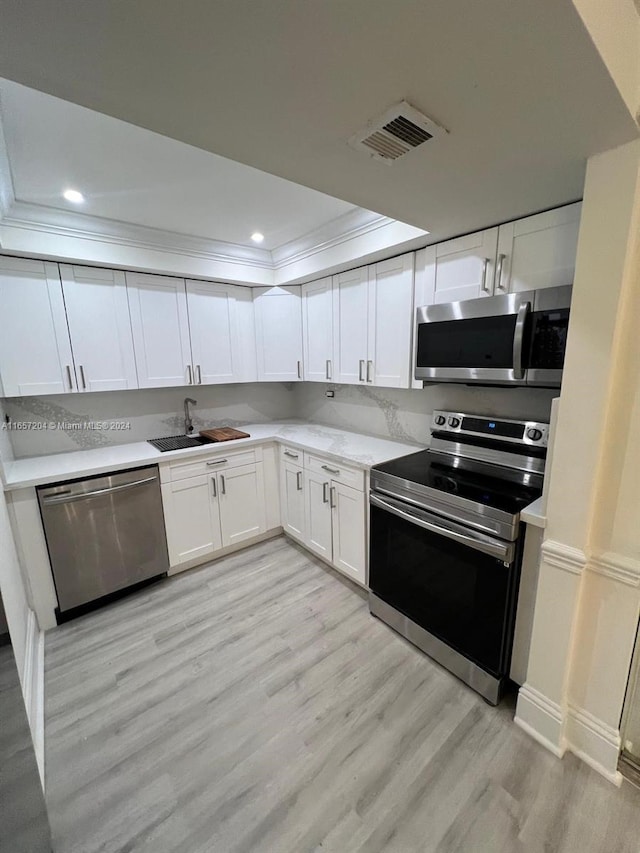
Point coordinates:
pixel 398 131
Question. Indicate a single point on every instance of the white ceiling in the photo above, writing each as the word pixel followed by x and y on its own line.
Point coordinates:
pixel 281 85
pixel 134 175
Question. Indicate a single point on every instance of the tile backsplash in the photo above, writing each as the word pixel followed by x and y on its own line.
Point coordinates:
pixel 69 422
pixel 59 423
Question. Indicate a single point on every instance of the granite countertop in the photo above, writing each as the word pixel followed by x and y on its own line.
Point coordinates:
pixel 356 449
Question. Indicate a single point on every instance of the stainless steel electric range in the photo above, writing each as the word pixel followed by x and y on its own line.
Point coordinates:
pixel 446 541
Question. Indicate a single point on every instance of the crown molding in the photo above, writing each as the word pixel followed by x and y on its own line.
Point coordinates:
pixel 355 223
pixel 7 195
pixel 82 226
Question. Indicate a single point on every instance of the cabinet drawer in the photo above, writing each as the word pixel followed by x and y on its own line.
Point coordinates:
pixel 219 461
pixel 335 471
pixel 292 454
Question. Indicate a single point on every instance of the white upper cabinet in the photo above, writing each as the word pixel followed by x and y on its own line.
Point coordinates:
pixel 465 267
pixel 350 325
pixel 539 251
pixel 390 322
pixel 35 352
pixel 100 328
pixel 278 333
pixel 317 330
pixel 372 321
pixel 213 325
pixel 160 325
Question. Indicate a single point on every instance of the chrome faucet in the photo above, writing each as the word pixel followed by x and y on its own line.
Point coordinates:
pixel 188 423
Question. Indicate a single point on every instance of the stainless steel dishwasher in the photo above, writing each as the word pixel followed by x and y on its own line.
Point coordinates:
pixel 104 534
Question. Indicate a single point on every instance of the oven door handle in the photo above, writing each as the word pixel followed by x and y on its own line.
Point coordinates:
pixel 504 552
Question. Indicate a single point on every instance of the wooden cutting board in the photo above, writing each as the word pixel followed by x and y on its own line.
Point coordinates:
pixel 223 434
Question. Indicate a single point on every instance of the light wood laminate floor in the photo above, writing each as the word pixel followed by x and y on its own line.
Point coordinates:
pixel 255 705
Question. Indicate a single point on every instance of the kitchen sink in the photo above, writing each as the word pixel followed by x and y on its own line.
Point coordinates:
pixel 178 442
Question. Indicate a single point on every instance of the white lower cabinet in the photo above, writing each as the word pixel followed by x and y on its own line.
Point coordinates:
pixel 292 499
pixel 213 503
pixel 241 499
pixel 324 506
pixel 317 506
pixel 349 517
pixel 191 519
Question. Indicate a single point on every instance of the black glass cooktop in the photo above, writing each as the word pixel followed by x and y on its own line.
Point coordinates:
pixel 437 472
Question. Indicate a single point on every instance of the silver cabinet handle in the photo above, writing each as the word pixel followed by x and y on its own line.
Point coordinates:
pixel 299 480
pixel 369 370
pixel 214 488
pixel 69 379
pixel 64 498
pixel 299 370
pixel 199 374
pixel 485 268
pixel 330 470
pixel 501 260
pixel 291 455
pixel 82 376
pixel 189 375
pixel 223 485
pixel 332 493
pixel 504 552
pixel 361 370
pixel 328 371
pixel 325 493
pixel 217 462
pixel 518 338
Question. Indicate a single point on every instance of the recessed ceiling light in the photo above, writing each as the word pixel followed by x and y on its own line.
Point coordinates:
pixel 257 237
pixel 74 196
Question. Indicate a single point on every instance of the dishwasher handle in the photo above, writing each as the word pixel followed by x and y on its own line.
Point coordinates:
pixel 77 496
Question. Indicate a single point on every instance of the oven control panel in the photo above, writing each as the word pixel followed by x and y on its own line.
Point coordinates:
pixel 531 433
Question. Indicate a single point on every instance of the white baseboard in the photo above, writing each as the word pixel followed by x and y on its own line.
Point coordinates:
pixel 595 742
pixel 541 718
pixel 33 681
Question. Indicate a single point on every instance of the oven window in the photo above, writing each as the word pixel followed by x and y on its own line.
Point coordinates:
pixel 477 342
pixel 460 595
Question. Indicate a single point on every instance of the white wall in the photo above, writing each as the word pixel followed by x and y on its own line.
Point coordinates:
pixel 406 415
pixel 151 413
pixel 588 601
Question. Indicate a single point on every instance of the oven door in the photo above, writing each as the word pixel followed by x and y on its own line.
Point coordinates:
pixel 456 584
pixel 479 340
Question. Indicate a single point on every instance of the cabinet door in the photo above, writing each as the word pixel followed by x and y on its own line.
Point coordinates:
pixel 246 369
pixel 278 333
pixel 242 507
pixel 317 330
pixel 465 267
pixel 160 326
pixel 350 324
pixel 423 294
pixel 191 519
pixel 539 251
pixel 35 352
pixel 212 322
pixel 390 322
pixel 349 531
pixel 292 500
pixel 100 328
pixel 318 514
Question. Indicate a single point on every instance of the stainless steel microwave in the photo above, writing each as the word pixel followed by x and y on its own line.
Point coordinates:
pixel 517 339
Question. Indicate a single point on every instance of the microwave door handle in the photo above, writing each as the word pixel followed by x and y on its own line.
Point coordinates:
pixel 485 545
pixel 518 339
